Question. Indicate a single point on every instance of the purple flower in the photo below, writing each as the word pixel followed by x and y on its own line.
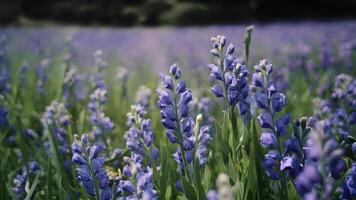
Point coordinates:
pixel 175 71
pixel 167 81
pixel 268 139
pixel 212 195
pixel 282 124
pixel 140 135
pixel 349 185
pixel 3 117
pixel 257 79
pixel 261 101
pixel 265 121
pixel 307 178
pixel 90 167
pixel 21 178
pixel 33 166
pixel 233 77
pixel 215 72
pixel 217 91
pixel 337 167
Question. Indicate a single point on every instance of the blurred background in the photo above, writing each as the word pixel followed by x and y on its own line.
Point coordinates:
pixel 170 12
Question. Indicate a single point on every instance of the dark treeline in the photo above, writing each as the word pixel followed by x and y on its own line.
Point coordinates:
pixel 178 12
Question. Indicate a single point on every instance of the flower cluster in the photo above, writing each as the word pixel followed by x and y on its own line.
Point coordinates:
pixel 232 74
pixel 137 182
pixel 272 102
pixel 99 75
pixel 174 102
pixel 323 165
pixel 203 139
pixel 90 171
pixel 55 120
pixel 348 190
pixel 22 178
pixel 140 137
pixel 4 122
pixel 101 123
pixel 338 114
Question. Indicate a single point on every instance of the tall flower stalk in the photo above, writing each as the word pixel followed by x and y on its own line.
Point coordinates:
pixel 90 171
pixel 137 181
pixel 174 102
pixel 271 102
pixel 324 165
pixel 233 87
pixel 101 123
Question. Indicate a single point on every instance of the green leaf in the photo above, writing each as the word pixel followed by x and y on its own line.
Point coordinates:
pixel 198 180
pixel 207 177
pixel 33 187
pixel 224 148
pixel 164 171
pixel 233 174
pixel 49 179
pixel 188 189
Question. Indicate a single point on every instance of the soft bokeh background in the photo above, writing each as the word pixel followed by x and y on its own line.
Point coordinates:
pixel 61 51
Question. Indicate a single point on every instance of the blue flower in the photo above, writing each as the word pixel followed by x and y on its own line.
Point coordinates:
pixel 54 121
pixel 217 91
pixel 268 139
pixel 174 105
pixel 337 167
pixel 3 117
pixel 323 165
pixel 232 75
pixel 349 185
pixel 33 166
pixel 307 178
pixel 101 124
pixel 22 177
pixel 265 121
pixel 272 102
pixel 140 136
pixel 90 171
pixel 261 101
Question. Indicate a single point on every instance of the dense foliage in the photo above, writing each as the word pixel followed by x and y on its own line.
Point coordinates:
pixel 238 129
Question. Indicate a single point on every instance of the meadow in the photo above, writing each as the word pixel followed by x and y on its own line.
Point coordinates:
pixel 217 113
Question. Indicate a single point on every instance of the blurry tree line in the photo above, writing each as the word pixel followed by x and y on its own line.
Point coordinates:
pixel 178 12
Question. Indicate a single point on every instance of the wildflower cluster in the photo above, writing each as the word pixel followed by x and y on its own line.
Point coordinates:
pixel 99 75
pixel 174 102
pixel 232 74
pixel 174 108
pixel 138 172
pixel 100 122
pixel 22 178
pixel 54 121
pixel 90 171
pixel 271 102
pixel 323 165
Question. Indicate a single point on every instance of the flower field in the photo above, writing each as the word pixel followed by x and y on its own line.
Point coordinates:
pixel 208 113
